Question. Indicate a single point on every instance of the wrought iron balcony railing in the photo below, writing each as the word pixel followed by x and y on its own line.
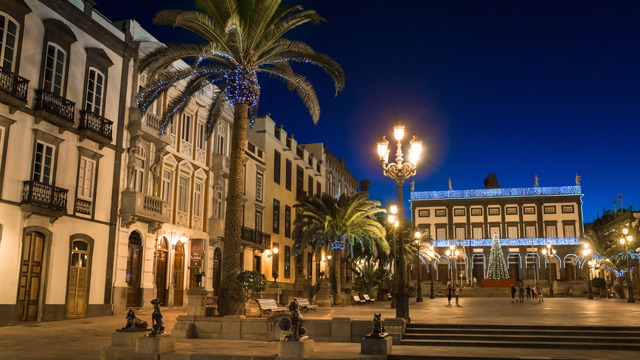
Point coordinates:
pixel 54 104
pixel 96 124
pixel 257 238
pixel 14 85
pixel 83 207
pixel 44 195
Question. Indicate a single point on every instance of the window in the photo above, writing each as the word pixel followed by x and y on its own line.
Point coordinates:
pixel 310 186
pixel 86 174
pixel 167 175
pixel 186 128
pixel 511 210
pixel 287 221
pixel 43 163
pixel 423 213
pixel 477 232
pixel 200 140
pixel 299 180
pixel 309 266
pixel 276 216
pixel 275 260
pixel 460 233
pixel 476 212
pixel 318 188
pixel 197 200
pixel 140 155
pixel 441 233
pixel 458 212
pixel 276 166
pixel 259 177
pixel 287 171
pixel 339 188
pixel 567 209
pixel 258 221
pixel 495 229
pixel 95 92
pixel 494 211
pixel 441 212
pixel 220 140
pixel 54 69
pixel 183 194
pixel 218 209
pixel 512 231
pixel 530 231
pixel 287 261
pixel 549 209
pixel 551 231
pixel 8 42
pixel 569 230
pixel 529 209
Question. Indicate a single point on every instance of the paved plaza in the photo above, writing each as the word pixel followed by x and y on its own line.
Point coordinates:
pixel 83 338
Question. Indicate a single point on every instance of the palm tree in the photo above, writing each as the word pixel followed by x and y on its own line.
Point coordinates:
pixel 242 39
pixel 341 225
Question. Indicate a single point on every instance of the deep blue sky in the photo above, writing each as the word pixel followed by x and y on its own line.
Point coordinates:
pixel 516 88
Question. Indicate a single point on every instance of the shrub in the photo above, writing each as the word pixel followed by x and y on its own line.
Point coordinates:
pixel 252 282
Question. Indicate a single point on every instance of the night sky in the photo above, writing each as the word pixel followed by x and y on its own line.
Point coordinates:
pixel 516 88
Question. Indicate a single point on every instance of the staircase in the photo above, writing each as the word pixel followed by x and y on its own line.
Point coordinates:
pixel 524 336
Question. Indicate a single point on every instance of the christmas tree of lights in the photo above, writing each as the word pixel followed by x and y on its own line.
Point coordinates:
pixel 497 266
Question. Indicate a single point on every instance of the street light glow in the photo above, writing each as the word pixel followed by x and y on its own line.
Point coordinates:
pixel 383 148
pixel 393 208
pixel 398 131
pixel 417 234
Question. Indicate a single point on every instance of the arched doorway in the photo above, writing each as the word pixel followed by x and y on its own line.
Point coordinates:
pixel 478 267
pixel 443 270
pixel 514 266
pixel 78 279
pixel 31 275
pixel 178 275
pixel 162 251
pixel 570 268
pixel 134 265
pixel 217 261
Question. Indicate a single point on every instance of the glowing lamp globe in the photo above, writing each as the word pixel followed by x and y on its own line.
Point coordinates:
pixel 398 131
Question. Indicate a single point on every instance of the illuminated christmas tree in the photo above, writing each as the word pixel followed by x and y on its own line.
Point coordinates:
pixel 497 266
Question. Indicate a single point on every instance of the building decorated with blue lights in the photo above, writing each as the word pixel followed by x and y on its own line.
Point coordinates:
pixel 525 219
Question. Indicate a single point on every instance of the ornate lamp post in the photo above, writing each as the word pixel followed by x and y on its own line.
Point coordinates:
pixel 586 252
pixel 453 253
pixel 419 298
pixel 626 240
pixel 549 252
pixel 392 220
pixel 400 171
pixel 432 257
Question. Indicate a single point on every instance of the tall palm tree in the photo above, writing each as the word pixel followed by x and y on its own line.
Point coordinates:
pixel 243 38
pixel 340 226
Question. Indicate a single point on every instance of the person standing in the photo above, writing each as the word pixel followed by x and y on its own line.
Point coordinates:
pixel 521 292
pixel 571 292
pixel 533 292
pixel 513 294
pixel 448 291
pixel 457 295
pixel 528 292
pixel 540 296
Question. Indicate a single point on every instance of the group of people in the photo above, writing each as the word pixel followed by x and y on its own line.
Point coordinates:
pixel 451 291
pixel 533 293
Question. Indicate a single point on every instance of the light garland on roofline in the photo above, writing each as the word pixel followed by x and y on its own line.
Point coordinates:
pixel 509 242
pixel 485 193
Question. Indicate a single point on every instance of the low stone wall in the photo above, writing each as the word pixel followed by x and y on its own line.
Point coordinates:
pixel 241 328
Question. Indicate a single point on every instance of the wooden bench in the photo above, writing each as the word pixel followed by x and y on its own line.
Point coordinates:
pixel 269 307
pixel 367 298
pixel 305 305
pixel 389 296
pixel 357 300
pixel 210 306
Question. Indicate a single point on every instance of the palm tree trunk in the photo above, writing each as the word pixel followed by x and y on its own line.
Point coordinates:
pixel 337 256
pixel 231 300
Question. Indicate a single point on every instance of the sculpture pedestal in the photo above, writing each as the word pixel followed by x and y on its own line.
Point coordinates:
pixel 156 345
pixel 196 301
pixel 289 350
pixel 126 338
pixel 376 345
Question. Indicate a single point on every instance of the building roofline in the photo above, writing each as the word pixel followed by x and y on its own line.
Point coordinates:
pixel 496 193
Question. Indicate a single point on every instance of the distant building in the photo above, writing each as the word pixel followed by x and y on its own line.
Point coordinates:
pixel 525 219
pixel 339 179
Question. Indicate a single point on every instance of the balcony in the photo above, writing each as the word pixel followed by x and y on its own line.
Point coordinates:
pixel 96 128
pixel 147 126
pixel 137 206
pixel 13 90
pixel 44 199
pixel 257 239
pixel 216 227
pixel 54 109
pixel 83 207
pixel 220 165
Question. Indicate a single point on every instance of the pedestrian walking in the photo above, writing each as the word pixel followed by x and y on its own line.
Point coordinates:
pixel 475 281
pixel 534 293
pixel 540 296
pixel 571 292
pixel 457 294
pixel 448 292
pixel 528 292
pixel 521 292
pixel 513 294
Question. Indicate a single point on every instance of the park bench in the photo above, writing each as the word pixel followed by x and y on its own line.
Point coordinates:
pixel 269 307
pixel 357 300
pixel 305 305
pixel 389 296
pixel 367 298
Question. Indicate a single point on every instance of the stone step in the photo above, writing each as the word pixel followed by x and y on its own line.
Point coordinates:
pixel 522 327
pixel 527 338
pixel 531 332
pixel 522 344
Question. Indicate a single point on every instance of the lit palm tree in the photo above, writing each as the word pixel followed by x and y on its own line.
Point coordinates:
pixel 243 38
pixel 339 225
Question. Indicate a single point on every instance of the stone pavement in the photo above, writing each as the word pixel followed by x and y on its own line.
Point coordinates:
pixel 83 338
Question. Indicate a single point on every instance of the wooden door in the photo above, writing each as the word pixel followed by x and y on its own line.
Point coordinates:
pixel 134 265
pixel 178 275
pixel 161 276
pixel 31 274
pixel 478 268
pixel 217 262
pixel 78 279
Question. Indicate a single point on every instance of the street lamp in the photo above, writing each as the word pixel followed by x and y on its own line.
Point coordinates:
pixel 586 252
pixel 419 298
pixel 432 257
pixel 549 252
pixel 453 253
pixel 392 220
pixel 400 171
pixel 626 240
